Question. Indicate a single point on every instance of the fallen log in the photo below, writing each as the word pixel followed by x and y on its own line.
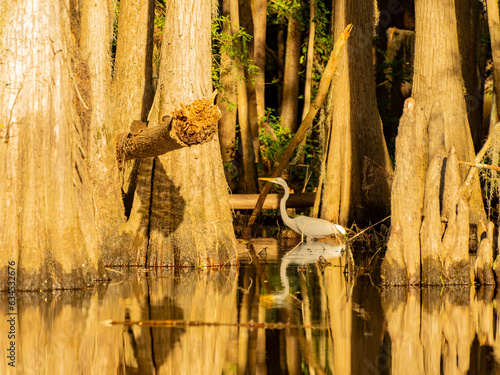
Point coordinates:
pixel 248 201
pixel 192 124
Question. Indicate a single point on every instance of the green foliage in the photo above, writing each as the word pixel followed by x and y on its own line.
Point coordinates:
pixel 279 11
pixel 271 149
pixel 234 45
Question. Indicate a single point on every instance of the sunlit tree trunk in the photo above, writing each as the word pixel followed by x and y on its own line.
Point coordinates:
pixel 248 179
pixel 259 11
pixel 310 58
pixel 438 129
pixel 190 221
pixel 95 45
pixel 47 222
pixel 494 26
pixel 440 81
pixel 132 89
pixel 227 103
pixel 356 183
pixel 290 101
pixel 246 13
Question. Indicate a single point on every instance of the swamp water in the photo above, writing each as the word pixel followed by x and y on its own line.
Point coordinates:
pixel 276 314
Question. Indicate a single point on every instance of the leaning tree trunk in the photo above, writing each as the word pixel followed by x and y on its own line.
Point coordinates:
pixel 190 220
pixel 47 226
pixel 358 165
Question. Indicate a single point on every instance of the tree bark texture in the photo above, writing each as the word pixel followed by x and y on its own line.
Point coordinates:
pixel 440 123
pixel 438 244
pixel 468 30
pixel 403 248
pixel 357 185
pixel 484 261
pixel 248 179
pixel 259 11
pixel 190 221
pixel 438 87
pixel 192 124
pixel 46 219
pixel 133 73
pixel 95 45
pixel 494 26
pixel 132 85
pixel 226 101
pixel 290 101
pixel 310 58
pixel 247 23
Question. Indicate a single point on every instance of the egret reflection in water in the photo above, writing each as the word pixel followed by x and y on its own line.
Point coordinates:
pixel 304 253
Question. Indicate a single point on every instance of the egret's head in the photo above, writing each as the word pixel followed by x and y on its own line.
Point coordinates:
pixel 276 180
pixel 271 179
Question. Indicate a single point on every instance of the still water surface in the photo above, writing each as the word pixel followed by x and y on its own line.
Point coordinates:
pixel 277 314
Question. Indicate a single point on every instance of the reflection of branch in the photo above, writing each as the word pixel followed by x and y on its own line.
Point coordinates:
pixel 247 290
pixel 187 323
pixel 9 123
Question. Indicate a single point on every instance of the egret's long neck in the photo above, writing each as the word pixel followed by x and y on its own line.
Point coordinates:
pixel 284 215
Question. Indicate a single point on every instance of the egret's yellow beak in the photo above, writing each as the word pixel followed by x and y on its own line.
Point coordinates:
pixel 267 179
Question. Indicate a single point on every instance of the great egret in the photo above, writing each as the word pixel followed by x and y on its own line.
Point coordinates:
pixel 309 227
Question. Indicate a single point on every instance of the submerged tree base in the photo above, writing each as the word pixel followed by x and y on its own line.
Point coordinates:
pixel 432 271
pixel 397 271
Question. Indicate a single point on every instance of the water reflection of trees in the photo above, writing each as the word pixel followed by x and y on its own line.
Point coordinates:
pixel 342 326
pixel 435 330
pixel 331 324
pixel 63 332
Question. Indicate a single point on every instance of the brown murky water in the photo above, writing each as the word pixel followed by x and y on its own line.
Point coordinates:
pixel 278 315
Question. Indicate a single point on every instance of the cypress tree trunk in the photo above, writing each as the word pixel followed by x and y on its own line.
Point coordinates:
pixel 358 166
pixel 190 221
pixel 47 225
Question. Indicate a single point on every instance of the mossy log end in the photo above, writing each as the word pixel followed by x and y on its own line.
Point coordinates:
pixel 192 124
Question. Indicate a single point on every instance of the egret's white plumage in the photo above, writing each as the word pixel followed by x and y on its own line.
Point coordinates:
pixel 309 227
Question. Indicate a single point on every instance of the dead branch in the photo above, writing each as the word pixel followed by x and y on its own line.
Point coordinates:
pixel 306 123
pixel 192 124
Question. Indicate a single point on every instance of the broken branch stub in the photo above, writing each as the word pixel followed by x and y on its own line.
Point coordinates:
pixel 193 124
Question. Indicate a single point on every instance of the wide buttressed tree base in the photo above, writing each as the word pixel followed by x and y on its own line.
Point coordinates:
pixel 46 220
pixel 432 200
pixel 181 214
pixel 429 242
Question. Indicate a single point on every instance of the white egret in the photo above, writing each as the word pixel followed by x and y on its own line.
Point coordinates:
pixel 309 227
